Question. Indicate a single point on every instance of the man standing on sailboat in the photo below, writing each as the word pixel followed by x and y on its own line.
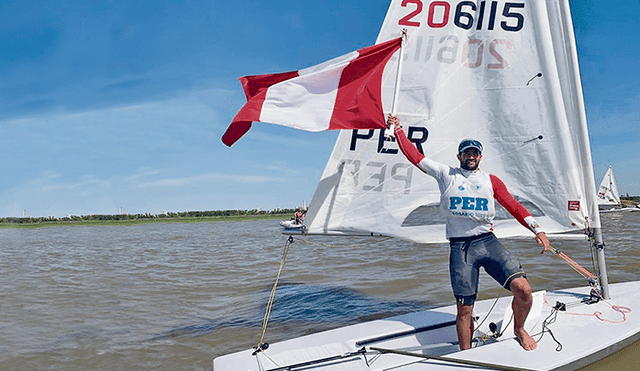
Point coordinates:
pixel 467 199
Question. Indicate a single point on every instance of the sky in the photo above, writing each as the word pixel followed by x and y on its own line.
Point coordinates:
pixel 120 105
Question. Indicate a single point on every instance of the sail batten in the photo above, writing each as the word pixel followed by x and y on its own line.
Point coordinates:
pixel 512 83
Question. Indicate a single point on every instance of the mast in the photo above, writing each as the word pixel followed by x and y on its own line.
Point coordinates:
pixel 587 163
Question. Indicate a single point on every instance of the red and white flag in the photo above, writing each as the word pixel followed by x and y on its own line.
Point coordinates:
pixel 343 93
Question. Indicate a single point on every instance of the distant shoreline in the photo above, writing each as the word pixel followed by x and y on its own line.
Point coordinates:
pixel 183 217
pixel 22 224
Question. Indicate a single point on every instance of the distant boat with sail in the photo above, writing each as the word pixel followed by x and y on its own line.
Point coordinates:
pixel 608 194
pixel 507 74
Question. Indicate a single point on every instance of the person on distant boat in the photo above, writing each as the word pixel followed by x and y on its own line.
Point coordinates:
pixel 467 199
pixel 299 215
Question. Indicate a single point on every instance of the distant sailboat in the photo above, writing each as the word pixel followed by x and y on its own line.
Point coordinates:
pixel 608 194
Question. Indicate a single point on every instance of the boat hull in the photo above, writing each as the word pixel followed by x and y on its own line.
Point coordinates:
pixel 291 224
pixel 579 335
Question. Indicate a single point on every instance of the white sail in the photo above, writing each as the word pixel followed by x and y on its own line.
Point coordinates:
pixel 608 194
pixel 502 72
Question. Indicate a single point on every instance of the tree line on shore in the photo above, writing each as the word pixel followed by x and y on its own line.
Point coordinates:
pixel 629 200
pixel 143 216
pixel 184 214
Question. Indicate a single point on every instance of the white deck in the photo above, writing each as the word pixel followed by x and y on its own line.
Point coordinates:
pixel 587 332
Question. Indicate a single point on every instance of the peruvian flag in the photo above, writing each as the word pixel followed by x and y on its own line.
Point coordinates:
pixel 343 93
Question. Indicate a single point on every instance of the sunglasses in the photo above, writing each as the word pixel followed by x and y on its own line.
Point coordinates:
pixel 470 143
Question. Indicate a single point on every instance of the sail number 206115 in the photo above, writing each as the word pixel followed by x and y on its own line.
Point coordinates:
pixel 465 15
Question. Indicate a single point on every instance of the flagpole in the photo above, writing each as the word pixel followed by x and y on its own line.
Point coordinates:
pixel 396 89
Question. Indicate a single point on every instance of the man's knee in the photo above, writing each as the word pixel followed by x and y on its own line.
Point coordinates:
pixel 521 288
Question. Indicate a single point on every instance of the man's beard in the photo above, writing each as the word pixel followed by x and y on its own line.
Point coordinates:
pixel 465 165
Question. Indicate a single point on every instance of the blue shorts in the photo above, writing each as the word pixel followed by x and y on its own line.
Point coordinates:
pixel 468 254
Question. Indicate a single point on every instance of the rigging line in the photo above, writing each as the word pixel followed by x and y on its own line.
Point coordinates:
pixel 260 366
pixel 261 345
pixel 492 366
pixel 496 302
pixel 617 308
pixel 592 248
pixel 572 263
pixel 597 314
pixel 545 326
pixel 331 359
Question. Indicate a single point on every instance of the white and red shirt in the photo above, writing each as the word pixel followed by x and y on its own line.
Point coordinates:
pixel 467 196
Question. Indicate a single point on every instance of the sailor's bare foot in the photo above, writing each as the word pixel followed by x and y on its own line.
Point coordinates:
pixel 527 342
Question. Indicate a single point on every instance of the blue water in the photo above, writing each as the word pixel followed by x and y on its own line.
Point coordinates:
pixel 174 296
